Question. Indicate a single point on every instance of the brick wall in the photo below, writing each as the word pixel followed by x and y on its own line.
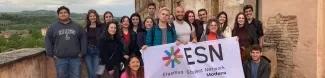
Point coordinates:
pixel 283 30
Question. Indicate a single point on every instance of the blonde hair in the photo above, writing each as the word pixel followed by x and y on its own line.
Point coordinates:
pixel 164 8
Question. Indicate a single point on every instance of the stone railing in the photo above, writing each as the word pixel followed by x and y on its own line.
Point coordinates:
pixel 32 63
pixel 28 63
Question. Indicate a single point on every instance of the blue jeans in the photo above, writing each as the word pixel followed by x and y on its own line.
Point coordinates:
pixel 92 61
pixel 68 67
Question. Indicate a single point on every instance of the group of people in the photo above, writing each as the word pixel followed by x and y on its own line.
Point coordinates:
pixel 117 45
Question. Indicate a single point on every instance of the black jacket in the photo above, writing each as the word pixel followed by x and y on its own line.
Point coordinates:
pixel 141 37
pixel 132 46
pixel 107 55
pixel 199 29
pixel 264 68
pixel 258 28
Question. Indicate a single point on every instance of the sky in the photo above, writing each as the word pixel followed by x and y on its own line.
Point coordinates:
pixel 117 7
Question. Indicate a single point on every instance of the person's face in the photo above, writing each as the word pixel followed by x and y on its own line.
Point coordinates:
pixel 111 29
pixel 148 23
pixel 256 54
pixel 134 64
pixel 179 13
pixel 92 17
pixel 164 16
pixel 249 13
pixel 203 16
pixel 171 18
pixel 125 23
pixel 151 10
pixel 213 27
pixel 191 17
pixel 222 18
pixel 135 20
pixel 241 19
pixel 63 14
pixel 108 17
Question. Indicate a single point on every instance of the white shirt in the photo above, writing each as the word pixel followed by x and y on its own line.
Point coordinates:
pixel 183 31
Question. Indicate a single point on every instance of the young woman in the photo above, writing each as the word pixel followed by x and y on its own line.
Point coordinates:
pixel 141 36
pixel 128 39
pixel 93 31
pixel 136 24
pixel 171 18
pixel 212 32
pixel 190 19
pixel 223 27
pixel 108 17
pixel 245 34
pixel 133 70
pixel 110 50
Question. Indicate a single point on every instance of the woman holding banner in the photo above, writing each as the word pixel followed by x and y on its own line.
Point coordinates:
pixel 212 32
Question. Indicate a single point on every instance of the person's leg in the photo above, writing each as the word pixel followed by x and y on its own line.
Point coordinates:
pixel 95 62
pixel 61 66
pixel 74 67
pixel 88 60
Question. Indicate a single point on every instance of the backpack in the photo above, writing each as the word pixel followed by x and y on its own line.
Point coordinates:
pixel 169 27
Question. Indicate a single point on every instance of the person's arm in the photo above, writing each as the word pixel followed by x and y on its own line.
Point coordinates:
pixel 148 38
pixel 193 35
pixel 103 54
pixel 49 42
pixel 261 34
pixel 267 71
pixel 82 41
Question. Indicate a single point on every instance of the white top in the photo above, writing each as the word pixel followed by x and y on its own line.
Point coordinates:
pixel 183 31
pixel 227 33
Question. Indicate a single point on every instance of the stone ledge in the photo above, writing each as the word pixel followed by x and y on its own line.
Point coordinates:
pixel 266 44
pixel 18 55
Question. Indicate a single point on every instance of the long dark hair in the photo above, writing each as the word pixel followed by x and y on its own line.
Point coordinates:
pixel 88 21
pixel 208 25
pixel 144 28
pixel 140 21
pixel 122 19
pixel 128 71
pixel 225 25
pixel 187 20
pixel 236 27
pixel 108 12
pixel 106 34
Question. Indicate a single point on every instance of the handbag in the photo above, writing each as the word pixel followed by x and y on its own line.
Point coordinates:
pixel 101 68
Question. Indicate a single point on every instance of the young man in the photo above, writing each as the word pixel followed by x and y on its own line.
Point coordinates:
pixel 185 32
pixel 202 13
pixel 66 43
pixel 257 66
pixel 161 33
pixel 151 9
pixel 248 9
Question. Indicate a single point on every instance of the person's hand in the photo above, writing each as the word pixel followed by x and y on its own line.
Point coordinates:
pixel 194 41
pixel 177 42
pixel 79 55
pixel 144 47
pixel 237 38
pixel 53 57
pixel 126 56
pixel 111 72
pixel 184 42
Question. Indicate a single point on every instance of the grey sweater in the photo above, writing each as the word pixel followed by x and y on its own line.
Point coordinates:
pixel 65 40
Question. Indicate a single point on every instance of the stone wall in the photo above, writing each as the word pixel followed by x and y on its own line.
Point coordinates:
pixel 321 39
pixel 292 24
pixel 29 63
